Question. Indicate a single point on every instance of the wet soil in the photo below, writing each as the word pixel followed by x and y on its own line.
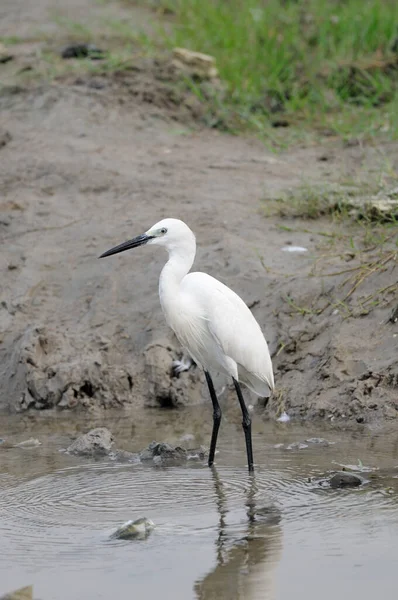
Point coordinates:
pixel 90 161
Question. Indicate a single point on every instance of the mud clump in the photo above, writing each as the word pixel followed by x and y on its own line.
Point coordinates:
pixel 164 387
pixel 49 370
pixel 97 442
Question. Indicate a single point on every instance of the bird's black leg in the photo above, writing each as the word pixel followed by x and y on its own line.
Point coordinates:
pixel 216 418
pixel 247 426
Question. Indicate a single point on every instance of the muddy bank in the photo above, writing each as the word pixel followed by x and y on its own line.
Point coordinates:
pixel 89 162
pixel 78 332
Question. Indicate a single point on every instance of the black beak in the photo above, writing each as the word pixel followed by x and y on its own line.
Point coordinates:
pixel 140 240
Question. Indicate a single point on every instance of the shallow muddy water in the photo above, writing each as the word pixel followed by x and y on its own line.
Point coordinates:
pixel 57 513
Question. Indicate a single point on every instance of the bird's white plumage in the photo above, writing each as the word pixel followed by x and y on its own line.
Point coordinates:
pixel 212 322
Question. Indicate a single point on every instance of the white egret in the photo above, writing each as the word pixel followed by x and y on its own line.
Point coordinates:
pixel 212 323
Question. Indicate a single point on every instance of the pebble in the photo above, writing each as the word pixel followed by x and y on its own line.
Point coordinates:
pixel 345 479
pixel 83 51
pixel 134 530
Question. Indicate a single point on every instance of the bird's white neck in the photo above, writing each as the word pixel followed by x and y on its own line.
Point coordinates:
pixel 180 261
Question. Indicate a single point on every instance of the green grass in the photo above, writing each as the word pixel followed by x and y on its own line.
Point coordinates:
pixel 11 40
pixel 329 65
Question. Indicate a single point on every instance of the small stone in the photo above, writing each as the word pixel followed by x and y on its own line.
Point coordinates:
pixel 194 64
pixel 82 51
pixel 97 442
pixel 160 452
pixel 134 530
pixel 345 479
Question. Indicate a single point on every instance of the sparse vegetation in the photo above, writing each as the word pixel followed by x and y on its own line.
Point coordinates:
pixel 312 202
pixel 353 261
pixel 289 70
pixel 327 65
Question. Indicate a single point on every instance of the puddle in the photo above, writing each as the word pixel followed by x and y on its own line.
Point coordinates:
pixel 58 512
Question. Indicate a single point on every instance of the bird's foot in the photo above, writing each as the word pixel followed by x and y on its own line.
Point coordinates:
pixel 179 366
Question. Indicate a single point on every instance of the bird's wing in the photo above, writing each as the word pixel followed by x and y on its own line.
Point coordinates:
pixel 231 324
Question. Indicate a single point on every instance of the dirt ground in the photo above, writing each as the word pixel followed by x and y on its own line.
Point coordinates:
pixel 88 162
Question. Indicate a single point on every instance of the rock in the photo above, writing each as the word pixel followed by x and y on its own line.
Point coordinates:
pixel 345 479
pixel 25 593
pixel 194 64
pixel 30 443
pixel 161 452
pixel 83 51
pixel 97 442
pixel 134 530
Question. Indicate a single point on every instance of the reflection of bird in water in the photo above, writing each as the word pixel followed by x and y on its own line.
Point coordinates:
pixel 211 322
pixel 246 565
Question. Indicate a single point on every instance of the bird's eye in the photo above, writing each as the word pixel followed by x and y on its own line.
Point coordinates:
pixel 163 230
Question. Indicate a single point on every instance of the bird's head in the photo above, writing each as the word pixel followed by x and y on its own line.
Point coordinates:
pixel 171 233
